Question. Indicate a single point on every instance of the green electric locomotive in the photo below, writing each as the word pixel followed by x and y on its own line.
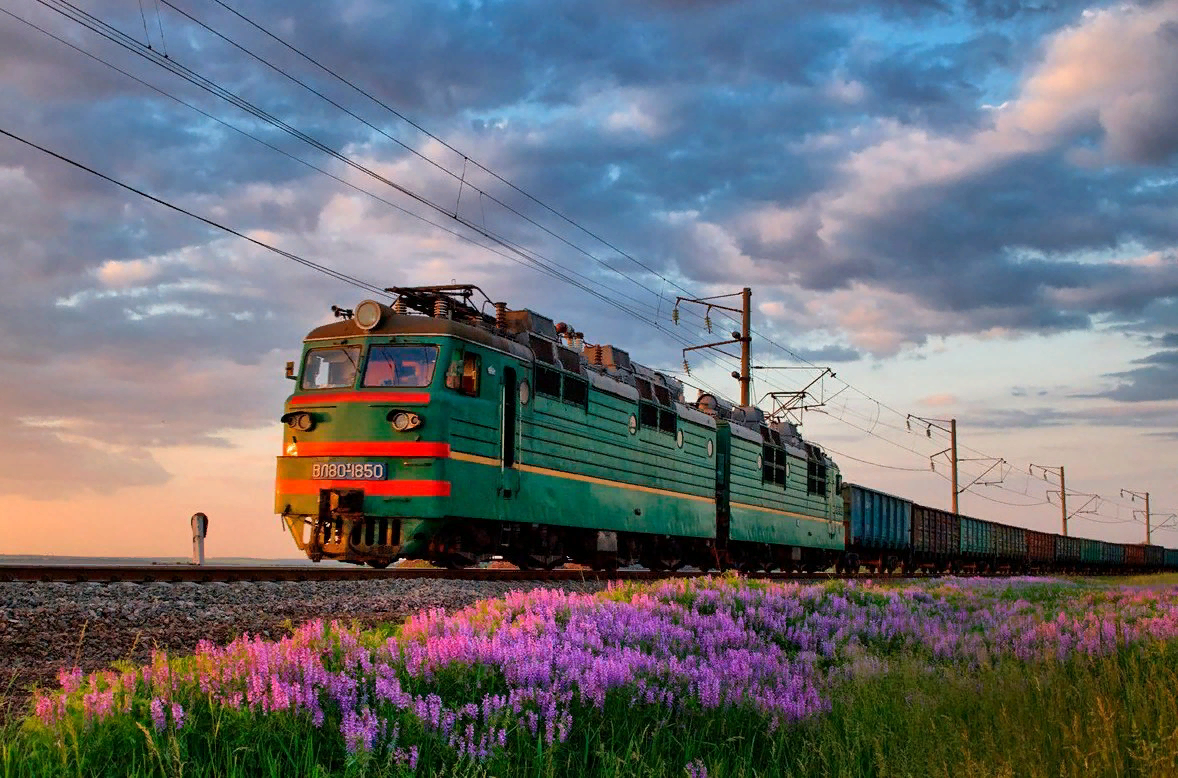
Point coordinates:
pixel 434 429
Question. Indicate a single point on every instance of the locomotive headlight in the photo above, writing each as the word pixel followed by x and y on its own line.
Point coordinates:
pixel 301 421
pixel 404 420
pixel 368 314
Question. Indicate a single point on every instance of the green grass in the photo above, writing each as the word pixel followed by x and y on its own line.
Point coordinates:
pixel 1153 579
pixel 1116 716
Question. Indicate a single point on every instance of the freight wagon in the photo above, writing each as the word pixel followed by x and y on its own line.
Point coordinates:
pixel 936 538
pixel 878 531
pixel 1067 553
pixel 1040 550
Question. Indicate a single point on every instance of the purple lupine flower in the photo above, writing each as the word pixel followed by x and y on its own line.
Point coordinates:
pixel 158 717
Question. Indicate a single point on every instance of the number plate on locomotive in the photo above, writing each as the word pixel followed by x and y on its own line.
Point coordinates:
pixel 350 471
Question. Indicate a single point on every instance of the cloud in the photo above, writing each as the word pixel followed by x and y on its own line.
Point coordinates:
pixel 46 462
pixel 1156 379
pixel 1145 416
pixel 996 226
pixel 1115 73
pixel 1027 391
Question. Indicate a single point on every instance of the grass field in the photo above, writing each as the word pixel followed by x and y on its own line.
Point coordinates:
pixel 717 677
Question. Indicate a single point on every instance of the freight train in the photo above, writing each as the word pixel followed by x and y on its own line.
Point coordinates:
pixel 441 429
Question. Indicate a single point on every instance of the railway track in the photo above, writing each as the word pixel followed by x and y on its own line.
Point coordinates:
pixel 226 573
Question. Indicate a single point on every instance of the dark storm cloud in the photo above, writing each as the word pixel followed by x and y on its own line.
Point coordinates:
pixel 997 248
pixel 938 86
pixel 1156 379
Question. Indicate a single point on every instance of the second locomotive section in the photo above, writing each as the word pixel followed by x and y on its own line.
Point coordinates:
pixel 430 430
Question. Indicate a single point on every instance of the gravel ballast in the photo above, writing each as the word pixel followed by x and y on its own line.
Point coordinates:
pixel 47 626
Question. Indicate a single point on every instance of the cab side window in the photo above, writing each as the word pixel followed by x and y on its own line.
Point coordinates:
pixel 471 370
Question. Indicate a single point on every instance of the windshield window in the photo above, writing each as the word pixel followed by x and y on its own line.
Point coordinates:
pixel 400 366
pixel 330 368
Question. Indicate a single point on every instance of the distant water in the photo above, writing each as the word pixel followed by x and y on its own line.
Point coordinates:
pixel 236 561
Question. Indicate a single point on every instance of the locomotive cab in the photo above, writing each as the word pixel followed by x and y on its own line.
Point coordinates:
pixel 367 463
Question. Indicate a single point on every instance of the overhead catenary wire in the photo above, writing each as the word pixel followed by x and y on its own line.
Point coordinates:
pixel 466 157
pixel 75 14
pixel 340 276
pixel 845 455
pixel 271 146
pixel 460 179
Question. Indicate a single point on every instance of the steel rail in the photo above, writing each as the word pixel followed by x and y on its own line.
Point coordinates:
pixel 173 573
pixel 183 573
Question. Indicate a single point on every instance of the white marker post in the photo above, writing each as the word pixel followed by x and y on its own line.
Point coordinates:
pixel 200 528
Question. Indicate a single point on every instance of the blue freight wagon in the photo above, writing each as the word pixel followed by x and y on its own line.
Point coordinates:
pixel 878 528
pixel 978 542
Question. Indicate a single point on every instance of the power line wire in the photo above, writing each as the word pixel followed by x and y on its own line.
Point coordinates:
pixel 281 252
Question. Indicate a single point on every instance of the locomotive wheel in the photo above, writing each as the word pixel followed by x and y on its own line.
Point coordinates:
pixel 524 561
pixel 661 564
pixel 456 560
pixel 379 565
pixel 653 564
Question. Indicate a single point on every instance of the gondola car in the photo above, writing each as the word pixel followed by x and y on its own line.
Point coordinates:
pixel 434 430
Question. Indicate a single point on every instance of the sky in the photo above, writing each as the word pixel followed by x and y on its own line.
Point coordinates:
pixel 965 210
